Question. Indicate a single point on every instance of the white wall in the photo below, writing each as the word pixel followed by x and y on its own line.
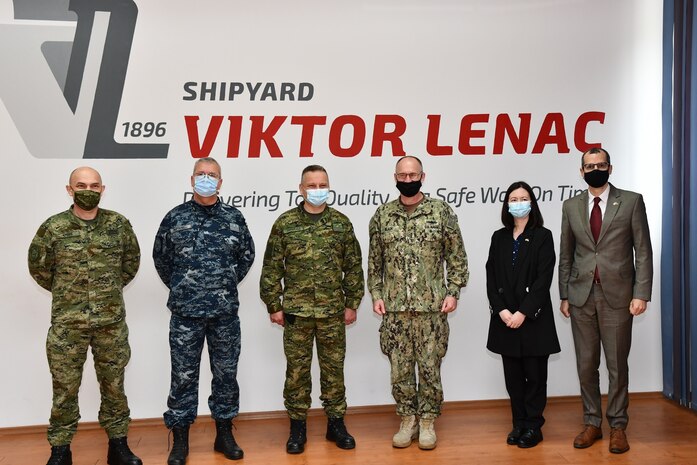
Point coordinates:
pixel 412 59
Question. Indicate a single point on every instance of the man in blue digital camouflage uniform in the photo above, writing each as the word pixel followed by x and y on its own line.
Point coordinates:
pixel 85 256
pixel 202 251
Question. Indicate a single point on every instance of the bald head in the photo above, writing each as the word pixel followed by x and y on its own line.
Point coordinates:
pixel 84 174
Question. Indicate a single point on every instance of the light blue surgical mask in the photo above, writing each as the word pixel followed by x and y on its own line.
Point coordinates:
pixel 317 196
pixel 519 209
pixel 205 186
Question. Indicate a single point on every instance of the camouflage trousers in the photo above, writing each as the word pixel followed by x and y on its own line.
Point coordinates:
pixel 186 337
pixel 66 349
pixel 298 336
pixel 411 339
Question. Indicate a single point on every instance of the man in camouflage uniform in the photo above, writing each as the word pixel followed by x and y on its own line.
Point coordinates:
pixel 202 251
pixel 410 240
pixel 85 256
pixel 312 284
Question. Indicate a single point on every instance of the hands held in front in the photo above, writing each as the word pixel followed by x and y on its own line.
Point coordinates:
pixel 512 320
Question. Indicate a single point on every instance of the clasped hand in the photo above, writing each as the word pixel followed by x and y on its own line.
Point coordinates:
pixel 512 320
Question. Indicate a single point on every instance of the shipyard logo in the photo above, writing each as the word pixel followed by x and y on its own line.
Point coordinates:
pixel 64 66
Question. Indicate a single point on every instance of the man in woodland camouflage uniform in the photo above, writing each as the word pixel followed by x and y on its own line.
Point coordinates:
pixel 410 240
pixel 312 284
pixel 202 251
pixel 85 256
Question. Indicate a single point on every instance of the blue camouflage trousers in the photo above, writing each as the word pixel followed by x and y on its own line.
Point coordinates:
pixel 411 340
pixel 186 336
pixel 66 349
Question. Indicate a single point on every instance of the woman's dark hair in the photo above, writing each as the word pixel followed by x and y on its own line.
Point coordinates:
pixel 534 220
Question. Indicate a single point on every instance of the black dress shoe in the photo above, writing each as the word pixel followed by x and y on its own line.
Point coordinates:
pixel 514 436
pixel 530 438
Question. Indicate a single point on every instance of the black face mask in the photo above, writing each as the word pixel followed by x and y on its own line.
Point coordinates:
pixel 596 178
pixel 409 189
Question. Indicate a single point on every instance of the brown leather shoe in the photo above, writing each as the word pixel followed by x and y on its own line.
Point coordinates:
pixel 618 441
pixel 587 437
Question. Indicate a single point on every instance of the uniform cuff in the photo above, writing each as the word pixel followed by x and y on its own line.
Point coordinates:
pixel 277 307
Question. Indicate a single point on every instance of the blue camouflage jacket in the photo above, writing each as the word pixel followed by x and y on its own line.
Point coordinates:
pixel 201 254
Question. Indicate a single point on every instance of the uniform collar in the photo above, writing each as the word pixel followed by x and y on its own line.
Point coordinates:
pixel 210 209
pixel 305 216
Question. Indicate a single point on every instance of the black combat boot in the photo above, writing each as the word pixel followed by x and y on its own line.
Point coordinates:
pixel 180 446
pixel 298 437
pixel 225 441
pixel 60 455
pixel 336 431
pixel 120 454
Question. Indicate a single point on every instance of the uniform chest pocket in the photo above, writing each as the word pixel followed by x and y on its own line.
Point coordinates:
pixel 431 232
pixel 69 244
pixel 393 235
pixel 108 246
pixel 297 246
pixel 183 238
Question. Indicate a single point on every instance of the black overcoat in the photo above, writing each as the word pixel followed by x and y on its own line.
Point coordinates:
pixel 523 288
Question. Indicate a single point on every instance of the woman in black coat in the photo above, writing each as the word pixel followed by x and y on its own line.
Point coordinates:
pixel 519 273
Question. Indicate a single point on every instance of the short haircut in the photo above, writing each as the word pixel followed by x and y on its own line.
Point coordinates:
pixel 595 150
pixel 312 169
pixel 208 160
pixel 406 157
pixel 534 220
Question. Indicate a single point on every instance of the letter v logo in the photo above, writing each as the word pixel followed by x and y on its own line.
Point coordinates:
pixel 64 66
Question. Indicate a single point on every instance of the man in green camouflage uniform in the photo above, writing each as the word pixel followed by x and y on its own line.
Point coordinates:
pixel 312 284
pixel 411 238
pixel 85 256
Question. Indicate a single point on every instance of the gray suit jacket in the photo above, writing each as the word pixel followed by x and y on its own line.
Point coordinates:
pixel 623 253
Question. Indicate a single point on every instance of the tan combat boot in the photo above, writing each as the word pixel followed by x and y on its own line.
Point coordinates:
pixel 427 434
pixel 408 431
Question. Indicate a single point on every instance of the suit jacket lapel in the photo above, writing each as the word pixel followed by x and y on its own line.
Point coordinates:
pixel 614 200
pixel 583 214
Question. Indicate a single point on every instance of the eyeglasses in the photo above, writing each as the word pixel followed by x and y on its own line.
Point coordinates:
pixel 410 176
pixel 602 166
pixel 210 175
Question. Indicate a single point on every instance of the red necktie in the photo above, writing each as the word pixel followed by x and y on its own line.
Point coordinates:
pixel 596 223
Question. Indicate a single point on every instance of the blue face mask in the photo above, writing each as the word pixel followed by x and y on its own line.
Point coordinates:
pixel 317 196
pixel 205 186
pixel 519 209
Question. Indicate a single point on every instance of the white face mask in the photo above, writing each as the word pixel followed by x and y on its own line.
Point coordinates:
pixel 519 209
pixel 205 186
pixel 317 196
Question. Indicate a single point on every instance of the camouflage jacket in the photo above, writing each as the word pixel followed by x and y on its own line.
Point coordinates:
pixel 407 252
pixel 319 263
pixel 201 254
pixel 85 265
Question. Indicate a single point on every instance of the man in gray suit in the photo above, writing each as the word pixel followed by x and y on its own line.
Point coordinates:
pixel 605 275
